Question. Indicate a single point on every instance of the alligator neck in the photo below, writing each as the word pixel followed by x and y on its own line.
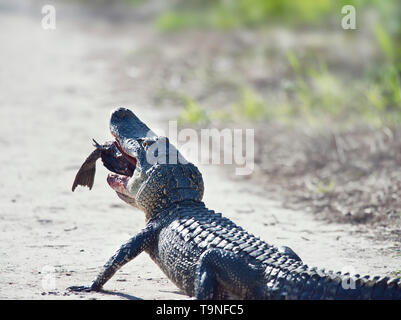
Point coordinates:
pixel 173 209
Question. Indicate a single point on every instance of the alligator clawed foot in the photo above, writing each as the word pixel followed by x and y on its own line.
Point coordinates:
pixel 81 288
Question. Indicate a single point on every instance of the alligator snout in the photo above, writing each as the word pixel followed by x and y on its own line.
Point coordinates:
pixel 121 113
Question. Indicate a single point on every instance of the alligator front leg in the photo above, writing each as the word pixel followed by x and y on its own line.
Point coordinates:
pixel 126 253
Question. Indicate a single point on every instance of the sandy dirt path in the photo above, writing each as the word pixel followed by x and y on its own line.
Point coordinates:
pixel 56 94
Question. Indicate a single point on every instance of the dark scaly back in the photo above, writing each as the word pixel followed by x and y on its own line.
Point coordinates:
pixel 208 229
pixel 190 230
pixel 285 278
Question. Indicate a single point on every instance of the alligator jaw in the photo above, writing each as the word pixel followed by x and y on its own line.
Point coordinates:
pixel 129 132
pixel 118 182
pixel 127 128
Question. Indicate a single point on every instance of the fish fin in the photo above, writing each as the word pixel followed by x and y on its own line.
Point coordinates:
pixel 86 174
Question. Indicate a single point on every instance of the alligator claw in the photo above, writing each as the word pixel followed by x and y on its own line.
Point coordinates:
pixel 81 288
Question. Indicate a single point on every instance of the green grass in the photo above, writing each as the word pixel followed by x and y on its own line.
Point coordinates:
pixel 388 83
pixel 223 14
pixel 134 2
pixel 376 99
pixel 192 114
pixel 316 96
pixel 315 92
pixel 326 186
pixel 250 106
pixel 233 14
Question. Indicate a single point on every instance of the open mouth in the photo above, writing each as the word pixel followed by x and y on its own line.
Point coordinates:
pixel 132 160
pixel 122 164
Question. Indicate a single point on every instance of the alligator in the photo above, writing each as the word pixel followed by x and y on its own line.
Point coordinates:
pixel 202 252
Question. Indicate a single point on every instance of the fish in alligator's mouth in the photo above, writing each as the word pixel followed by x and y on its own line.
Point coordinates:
pixel 114 158
pixel 125 157
pixel 135 156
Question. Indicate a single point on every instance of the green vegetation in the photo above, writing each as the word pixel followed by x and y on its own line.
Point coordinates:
pixel 385 93
pixel 231 14
pixel 134 2
pixel 314 96
pixel 192 113
pixel 326 186
pixel 314 91
pixel 251 106
pixel 223 14
pixel 375 99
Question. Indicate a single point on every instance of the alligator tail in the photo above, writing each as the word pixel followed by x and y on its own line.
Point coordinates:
pixel 296 281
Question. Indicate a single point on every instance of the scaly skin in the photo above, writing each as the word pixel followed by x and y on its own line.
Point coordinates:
pixel 204 254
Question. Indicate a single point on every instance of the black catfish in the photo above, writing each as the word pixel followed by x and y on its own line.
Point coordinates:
pixel 112 158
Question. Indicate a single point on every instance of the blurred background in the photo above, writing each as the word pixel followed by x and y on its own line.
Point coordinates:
pixel 325 103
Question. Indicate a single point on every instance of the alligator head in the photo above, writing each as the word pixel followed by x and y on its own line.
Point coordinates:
pixel 161 176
